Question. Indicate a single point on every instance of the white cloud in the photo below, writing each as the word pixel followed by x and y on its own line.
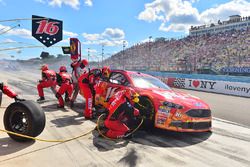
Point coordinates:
pixel 221 12
pixel 113 33
pixel 20 32
pixel 41 1
pixel 179 15
pixel 88 2
pixel 92 37
pixel 75 4
pixel 70 34
pixel 109 37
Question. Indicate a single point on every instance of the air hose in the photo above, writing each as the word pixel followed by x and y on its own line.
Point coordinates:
pixel 46 140
pixel 99 131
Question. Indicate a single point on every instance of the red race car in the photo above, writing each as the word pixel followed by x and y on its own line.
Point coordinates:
pixel 161 106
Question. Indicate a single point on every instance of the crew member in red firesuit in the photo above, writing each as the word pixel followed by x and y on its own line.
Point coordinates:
pixel 121 112
pixel 10 93
pixel 105 73
pixel 78 67
pixel 87 82
pixel 64 80
pixel 48 80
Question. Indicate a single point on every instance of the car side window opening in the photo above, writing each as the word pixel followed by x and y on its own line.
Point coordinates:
pixel 118 78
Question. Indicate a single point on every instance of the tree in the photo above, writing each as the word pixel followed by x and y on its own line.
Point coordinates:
pixel 44 55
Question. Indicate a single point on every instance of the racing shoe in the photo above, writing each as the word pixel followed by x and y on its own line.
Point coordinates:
pixel 40 99
pixel 71 103
pixel 103 131
pixel 59 106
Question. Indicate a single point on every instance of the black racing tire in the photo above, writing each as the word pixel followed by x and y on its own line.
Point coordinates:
pixel 147 112
pixel 24 117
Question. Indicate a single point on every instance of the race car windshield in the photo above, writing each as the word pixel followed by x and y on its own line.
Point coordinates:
pixel 148 82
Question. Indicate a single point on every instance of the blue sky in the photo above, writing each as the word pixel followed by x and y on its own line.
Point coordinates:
pixel 109 22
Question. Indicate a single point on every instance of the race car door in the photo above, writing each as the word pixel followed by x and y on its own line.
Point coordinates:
pixel 117 81
pixel 106 89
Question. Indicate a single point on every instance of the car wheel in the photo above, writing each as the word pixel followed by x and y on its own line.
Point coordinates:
pixel 146 108
pixel 24 117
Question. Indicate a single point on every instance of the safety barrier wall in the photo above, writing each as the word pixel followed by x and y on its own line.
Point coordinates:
pixel 224 87
pixel 224 84
pixel 228 78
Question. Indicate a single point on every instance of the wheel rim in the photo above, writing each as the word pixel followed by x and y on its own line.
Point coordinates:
pixel 19 122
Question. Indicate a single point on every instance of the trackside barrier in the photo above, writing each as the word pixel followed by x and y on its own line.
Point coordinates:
pixel 224 87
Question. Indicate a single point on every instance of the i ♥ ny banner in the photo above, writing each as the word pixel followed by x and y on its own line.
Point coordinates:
pixel 225 87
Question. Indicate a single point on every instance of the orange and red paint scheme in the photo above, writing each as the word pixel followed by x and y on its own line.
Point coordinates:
pixel 171 109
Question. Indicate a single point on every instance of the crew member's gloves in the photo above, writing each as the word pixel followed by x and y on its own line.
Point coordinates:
pixel 136 112
pixel 18 99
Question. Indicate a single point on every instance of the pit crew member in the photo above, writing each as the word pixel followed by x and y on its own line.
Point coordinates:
pixel 48 80
pixel 121 113
pixel 64 80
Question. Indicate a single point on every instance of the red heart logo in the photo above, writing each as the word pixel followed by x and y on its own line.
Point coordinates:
pixel 196 83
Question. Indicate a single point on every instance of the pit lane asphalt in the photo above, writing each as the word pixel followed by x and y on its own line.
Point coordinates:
pixel 227 145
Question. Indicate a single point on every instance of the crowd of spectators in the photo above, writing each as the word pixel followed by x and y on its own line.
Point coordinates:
pixel 225 49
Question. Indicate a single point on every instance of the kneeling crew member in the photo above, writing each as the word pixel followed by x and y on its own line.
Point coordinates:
pixel 64 80
pixel 121 113
pixel 48 80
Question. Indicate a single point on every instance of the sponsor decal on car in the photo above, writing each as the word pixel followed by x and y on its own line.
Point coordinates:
pixel 198 104
pixel 163 110
pixel 178 114
pixel 161 120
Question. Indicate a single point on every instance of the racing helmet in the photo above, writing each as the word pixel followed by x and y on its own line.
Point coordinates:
pixel 132 95
pixel 44 67
pixel 63 69
pixel 84 63
pixel 106 71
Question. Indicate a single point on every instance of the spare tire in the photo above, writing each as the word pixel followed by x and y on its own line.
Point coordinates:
pixel 24 117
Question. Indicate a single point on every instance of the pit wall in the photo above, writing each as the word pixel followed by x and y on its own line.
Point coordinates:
pixel 238 86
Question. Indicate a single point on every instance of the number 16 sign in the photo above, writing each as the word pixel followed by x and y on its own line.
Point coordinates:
pixel 46 30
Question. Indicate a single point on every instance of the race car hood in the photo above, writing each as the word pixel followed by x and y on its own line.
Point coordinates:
pixel 181 98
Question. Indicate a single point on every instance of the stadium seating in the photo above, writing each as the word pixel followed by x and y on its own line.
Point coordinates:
pixel 189 54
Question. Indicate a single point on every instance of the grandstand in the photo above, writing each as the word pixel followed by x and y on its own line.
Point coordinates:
pixel 204 53
pixel 235 22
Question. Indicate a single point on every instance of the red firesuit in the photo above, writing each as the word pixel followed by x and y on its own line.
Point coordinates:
pixel 87 82
pixel 48 80
pixel 6 90
pixel 120 113
pixel 64 80
pixel 77 69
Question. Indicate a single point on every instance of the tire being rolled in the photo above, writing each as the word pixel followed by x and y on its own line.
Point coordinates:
pixel 24 117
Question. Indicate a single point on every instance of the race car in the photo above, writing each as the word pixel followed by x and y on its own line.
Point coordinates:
pixel 161 106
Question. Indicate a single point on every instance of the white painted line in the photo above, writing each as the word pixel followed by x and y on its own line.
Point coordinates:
pixel 230 122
